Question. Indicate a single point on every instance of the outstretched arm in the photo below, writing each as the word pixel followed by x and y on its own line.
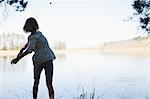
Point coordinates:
pixel 21 51
pixel 30 46
pixel 14 61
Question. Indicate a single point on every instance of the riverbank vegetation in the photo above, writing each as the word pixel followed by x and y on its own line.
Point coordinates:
pixel 11 41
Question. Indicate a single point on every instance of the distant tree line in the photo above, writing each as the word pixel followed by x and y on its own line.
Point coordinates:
pixel 59 45
pixel 11 41
pixel 14 41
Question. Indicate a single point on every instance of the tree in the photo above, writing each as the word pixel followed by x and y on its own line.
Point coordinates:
pixel 20 5
pixel 142 11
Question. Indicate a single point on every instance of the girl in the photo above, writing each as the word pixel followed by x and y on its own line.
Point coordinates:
pixel 43 56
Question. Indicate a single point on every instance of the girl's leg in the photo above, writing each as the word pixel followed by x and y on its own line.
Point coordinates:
pixel 35 88
pixel 50 89
pixel 49 76
pixel 37 72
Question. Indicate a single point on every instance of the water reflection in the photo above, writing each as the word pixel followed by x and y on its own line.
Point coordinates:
pixel 5 65
pixel 112 77
pixel 61 57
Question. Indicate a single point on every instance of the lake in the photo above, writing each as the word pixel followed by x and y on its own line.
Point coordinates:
pixel 109 76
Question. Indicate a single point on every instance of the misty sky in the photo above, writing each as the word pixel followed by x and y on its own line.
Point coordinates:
pixel 80 23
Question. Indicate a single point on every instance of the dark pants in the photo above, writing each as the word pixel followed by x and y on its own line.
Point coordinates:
pixel 48 66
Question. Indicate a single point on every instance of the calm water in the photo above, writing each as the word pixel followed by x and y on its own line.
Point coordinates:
pixel 112 77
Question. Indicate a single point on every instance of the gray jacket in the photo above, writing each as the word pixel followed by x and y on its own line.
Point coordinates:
pixel 42 52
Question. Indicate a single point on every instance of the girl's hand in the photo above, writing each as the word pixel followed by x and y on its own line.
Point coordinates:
pixel 14 61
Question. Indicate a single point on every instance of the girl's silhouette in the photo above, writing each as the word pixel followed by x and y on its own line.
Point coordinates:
pixel 43 56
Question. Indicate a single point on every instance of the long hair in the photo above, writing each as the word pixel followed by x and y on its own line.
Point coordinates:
pixel 31 25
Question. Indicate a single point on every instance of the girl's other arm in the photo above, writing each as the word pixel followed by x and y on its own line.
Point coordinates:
pixel 21 51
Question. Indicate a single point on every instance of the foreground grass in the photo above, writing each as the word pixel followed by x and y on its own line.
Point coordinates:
pixel 85 95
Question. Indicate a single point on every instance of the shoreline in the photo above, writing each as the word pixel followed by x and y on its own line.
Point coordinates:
pixel 113 51
pixel 135 46
pixel 15 52
pixel 8 52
